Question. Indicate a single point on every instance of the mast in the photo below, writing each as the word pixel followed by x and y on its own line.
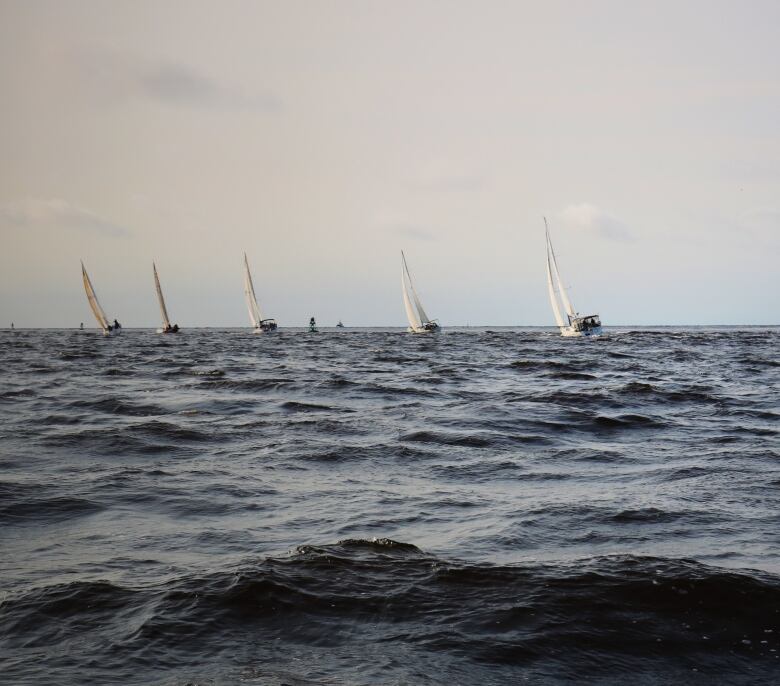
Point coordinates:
pixel 163 310
pixel 97 310
pixel 251 300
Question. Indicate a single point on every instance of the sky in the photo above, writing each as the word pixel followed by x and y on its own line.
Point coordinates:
pixel 322 138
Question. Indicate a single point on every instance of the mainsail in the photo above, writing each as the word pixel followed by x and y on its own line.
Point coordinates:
pixel 551 291
pixel 418 318
pixel 567 306
pixel 251 300
pixel 97 310
pixel 163 310
pixel 411 315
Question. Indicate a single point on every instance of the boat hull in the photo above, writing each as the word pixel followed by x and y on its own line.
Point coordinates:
pixel 569 332
pixel 265 326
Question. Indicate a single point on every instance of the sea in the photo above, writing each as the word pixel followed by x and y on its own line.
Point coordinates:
pixel 368 507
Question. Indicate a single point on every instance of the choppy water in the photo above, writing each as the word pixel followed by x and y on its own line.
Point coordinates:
pixel 367 507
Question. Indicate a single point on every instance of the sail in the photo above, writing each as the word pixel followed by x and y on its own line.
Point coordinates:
pixel 251 300
pixel 561 290
pixel 97 310
pixel 421 315
pixel 551 291
pixel 411 315
pixel 163 311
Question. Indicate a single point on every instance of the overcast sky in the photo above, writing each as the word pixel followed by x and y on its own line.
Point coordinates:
pixel 324 137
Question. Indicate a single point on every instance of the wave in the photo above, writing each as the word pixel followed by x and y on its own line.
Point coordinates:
pixel 145 437
pixel 54 509
pixel 408 390
pixel 295 406
pixel 571 376
pixel 702 394
pixel 113 405
pixel 114 371
pixel 16 394
pixel 156 484
pixel 627 421
pixel 245 385
pixel 605 617
pixel 466 440
pixel 359 453
pixel 654 515
pixel 549 365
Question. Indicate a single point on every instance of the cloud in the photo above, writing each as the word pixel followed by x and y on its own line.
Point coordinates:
pixel 115 77
pixel 410 231
pixel 55 213
pixel 587 217
pixel 399 225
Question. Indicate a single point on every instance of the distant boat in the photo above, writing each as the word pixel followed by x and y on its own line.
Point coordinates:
pixel 259 324
pixel 313 326
pixel 97 310
pixel 589 325
pixel 419 322
pixel 166 327
pixel 340 325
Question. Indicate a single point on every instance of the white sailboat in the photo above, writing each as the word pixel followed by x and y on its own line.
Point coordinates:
pixel 419 322
pixel 575 324
pixel 259 324
pixel 108 329
pixel 166 327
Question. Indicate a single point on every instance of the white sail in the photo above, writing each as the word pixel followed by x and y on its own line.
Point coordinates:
pixel 421 315
pixel 251 300
pixel 163 310
pixel 411 315
pixel 97 310
pixel 551 291
pixel 561 290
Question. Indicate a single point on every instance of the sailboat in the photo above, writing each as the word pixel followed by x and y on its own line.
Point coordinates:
pixel 166 327
pixel 108 329
pixel 259 324
pixel 419 322
pixel 576 324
